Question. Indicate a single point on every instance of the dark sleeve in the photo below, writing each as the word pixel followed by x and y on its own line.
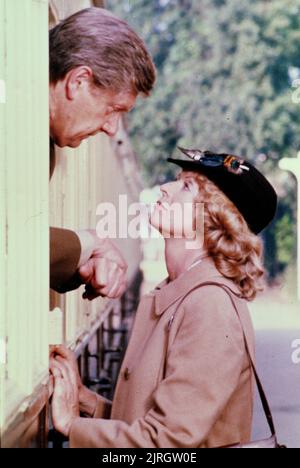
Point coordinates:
pixel 65 251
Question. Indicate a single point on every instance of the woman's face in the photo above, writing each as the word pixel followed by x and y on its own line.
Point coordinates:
pixel 174 214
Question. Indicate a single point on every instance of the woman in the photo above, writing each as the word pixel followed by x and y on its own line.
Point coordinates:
pixel 186 379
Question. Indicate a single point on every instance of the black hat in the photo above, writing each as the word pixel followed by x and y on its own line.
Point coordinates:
pixel 243 184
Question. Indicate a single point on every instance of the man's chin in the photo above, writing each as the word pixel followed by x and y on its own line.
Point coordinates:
pixel 74 144
pixel 68 143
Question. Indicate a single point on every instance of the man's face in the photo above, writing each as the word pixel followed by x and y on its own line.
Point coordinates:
pixel 82 110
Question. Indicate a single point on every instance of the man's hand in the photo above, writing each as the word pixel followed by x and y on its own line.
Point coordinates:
pixel 87 399
pixel 105 272
pixel 65 401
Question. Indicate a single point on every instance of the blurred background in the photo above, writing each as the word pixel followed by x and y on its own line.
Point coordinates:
pixel 228 79
pixel 226 70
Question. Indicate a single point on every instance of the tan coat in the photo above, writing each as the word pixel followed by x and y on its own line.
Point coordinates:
pixel 204 396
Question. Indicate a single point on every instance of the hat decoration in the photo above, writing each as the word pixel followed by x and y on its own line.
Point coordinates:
pixel 233 164
pixel 239 180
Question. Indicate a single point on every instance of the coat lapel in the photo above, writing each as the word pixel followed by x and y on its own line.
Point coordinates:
pixel 168 293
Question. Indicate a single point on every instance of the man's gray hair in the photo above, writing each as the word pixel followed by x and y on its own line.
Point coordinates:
pixel 96 38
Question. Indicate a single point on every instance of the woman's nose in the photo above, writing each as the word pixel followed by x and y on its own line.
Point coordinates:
pixel 166 189
pixel 163 189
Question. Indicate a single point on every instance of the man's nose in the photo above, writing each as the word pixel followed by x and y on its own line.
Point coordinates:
pixel 111 126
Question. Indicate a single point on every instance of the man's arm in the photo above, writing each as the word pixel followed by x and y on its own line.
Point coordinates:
pixel 65 253
pixel 82 258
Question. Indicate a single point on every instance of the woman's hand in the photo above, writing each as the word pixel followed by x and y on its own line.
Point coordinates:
pixel 87 399
pixel 65 355
pixel 65 400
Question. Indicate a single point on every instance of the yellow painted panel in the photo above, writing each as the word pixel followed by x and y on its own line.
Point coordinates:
pixel 66 7
pixel 2 213
pixel 24 196
pixel 83 178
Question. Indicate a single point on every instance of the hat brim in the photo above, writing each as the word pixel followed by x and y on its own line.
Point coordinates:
pixel 250 191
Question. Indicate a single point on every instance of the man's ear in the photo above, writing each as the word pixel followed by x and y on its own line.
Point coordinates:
pixel 76 80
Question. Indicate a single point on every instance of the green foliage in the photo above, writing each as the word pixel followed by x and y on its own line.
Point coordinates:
pixel 224 84
pixel 285 235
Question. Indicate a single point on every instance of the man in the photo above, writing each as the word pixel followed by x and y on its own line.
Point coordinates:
pixel 98 68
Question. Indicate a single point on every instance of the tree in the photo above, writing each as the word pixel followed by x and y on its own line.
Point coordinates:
pixel 224 84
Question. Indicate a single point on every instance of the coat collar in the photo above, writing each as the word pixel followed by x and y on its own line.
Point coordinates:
pixel 168 293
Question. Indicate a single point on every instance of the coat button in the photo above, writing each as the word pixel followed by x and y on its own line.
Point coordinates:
pixel 127 373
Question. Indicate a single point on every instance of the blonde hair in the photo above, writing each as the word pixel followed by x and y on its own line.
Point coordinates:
pixel 236 251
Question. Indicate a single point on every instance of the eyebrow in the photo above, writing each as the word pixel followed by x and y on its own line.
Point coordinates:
pixel 124 108
pixel 183 177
